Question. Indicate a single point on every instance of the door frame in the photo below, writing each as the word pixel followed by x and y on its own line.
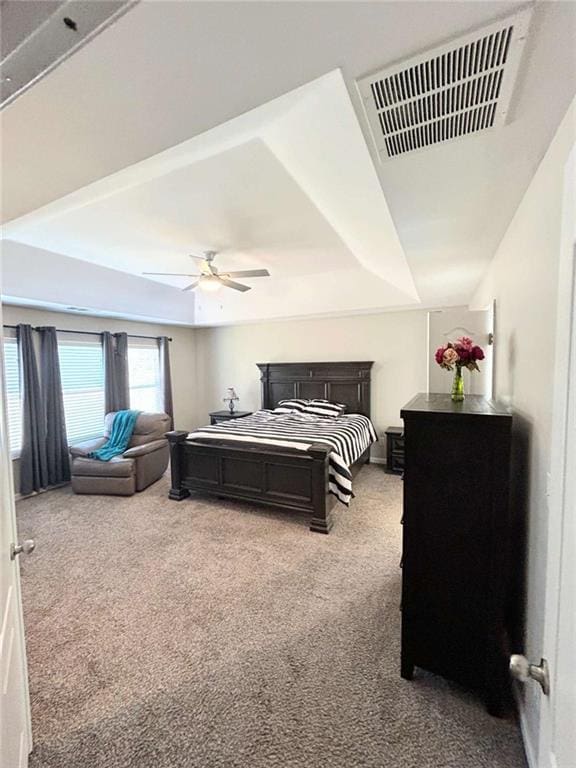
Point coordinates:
pixel 490 309
pixel 8 496
pixel 559 506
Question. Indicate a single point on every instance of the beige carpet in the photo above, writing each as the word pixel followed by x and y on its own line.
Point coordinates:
pixel 208 634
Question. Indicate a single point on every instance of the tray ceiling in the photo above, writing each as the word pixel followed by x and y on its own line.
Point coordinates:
pixel 122 101
pixel 282 187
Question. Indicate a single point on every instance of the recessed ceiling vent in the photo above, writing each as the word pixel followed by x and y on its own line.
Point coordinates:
pixel 448 92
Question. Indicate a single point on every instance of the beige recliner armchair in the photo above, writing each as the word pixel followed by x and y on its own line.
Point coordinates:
pixel 144 462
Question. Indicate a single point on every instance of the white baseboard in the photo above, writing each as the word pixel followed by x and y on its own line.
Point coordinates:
pixel 377 460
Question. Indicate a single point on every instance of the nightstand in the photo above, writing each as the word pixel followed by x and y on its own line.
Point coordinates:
pixel 395 450
pixel 218 416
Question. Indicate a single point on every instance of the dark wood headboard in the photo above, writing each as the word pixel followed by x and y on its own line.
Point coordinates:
pixel 347 383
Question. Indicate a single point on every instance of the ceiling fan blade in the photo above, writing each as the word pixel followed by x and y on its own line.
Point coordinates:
pixel 232 284
pixel 249 273
pixel 171 274
pixel 193 256
pixel 191 286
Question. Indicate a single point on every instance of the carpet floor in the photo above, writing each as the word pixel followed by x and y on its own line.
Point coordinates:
pixel 211 634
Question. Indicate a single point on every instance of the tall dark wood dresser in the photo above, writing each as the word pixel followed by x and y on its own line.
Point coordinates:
pixel 457 542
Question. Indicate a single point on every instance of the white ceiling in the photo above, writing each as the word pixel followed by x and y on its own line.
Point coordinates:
pixel 32 277
pixel 241 202
pixel 289 186
pixel 167 72
pixel 20 20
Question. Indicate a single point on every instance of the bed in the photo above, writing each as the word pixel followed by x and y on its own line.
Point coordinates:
pixel 246 459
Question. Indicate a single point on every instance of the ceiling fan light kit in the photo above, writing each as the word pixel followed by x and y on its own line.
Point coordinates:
pixel 210 279
pixel 209 283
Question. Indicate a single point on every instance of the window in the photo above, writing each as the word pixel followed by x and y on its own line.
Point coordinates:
pixel 82 374
pixel 144 377
pixel 13 394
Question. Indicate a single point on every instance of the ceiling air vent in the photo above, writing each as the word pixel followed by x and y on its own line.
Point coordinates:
pixel 448 92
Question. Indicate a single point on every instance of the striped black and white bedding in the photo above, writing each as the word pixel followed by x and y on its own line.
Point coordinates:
pixel 347 436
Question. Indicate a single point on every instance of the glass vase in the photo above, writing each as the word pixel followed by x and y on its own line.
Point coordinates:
pixel 458 386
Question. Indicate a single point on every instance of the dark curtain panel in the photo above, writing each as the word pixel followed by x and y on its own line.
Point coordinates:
pixel 166 378
pixel 122 370
pixel 116 387
pixel 33 461
pixel 57 458
pixel 109 372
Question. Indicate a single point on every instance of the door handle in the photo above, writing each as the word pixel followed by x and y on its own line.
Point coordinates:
pixel 26 547
pixel 522 670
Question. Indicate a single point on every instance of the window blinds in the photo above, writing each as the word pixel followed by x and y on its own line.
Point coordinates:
pixel 144 377
pixel 13 394
pixel 82 374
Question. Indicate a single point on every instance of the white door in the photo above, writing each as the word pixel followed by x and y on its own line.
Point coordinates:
pixel 557 743
pixel 450 324
pixel 15 729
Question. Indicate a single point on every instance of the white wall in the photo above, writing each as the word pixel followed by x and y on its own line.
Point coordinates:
pixel 205 361
pixel 395 341
pixel 523 279
pixel 182 350
pixel 36 277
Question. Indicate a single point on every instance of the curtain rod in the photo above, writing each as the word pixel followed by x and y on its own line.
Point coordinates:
pixel 91 333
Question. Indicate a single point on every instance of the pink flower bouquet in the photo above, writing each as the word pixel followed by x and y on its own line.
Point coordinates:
pixel 462 353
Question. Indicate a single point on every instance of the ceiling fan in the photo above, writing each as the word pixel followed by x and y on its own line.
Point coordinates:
pixel 210 278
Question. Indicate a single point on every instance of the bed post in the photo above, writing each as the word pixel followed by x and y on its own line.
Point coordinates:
pixel 321 517
pixel 175 439
pixel 265 385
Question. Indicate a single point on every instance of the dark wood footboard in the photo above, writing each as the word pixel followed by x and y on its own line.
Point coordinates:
pixel 292 480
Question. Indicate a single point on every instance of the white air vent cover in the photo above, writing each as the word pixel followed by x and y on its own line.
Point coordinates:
pixel 448 92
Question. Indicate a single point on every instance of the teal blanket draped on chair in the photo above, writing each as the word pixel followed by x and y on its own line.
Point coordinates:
pixel 122 428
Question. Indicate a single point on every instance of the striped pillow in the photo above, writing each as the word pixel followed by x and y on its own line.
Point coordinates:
pixel 324 408
pixel 291 406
